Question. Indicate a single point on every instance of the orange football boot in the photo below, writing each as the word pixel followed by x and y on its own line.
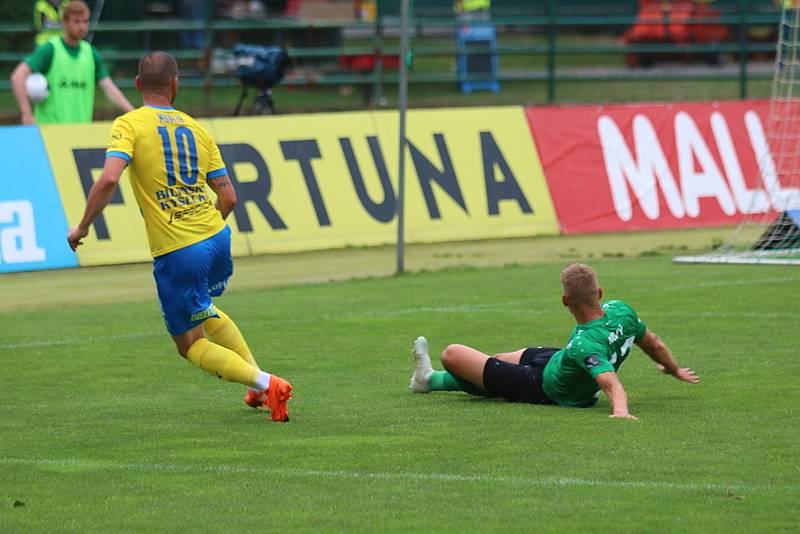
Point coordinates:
pixel 255 399
pixel 278 396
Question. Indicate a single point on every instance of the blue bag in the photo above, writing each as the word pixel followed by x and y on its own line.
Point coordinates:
pixel 261 66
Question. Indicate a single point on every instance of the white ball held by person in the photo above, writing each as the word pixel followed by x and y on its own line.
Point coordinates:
pixel 36 86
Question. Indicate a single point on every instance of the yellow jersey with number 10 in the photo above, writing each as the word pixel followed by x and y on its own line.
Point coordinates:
pixel 170 157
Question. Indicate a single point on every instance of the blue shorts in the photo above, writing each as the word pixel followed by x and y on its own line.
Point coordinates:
pixel 187 278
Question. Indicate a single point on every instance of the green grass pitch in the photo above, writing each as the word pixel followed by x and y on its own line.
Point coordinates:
pixel 104 428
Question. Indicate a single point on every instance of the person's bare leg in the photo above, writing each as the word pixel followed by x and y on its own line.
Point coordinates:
pixel 466 363
pixel 464 368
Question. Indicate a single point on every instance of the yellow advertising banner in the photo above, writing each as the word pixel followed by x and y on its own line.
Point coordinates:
pixel 309 182
pixel 77 153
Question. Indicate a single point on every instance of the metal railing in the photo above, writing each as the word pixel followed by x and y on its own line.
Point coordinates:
pixel 553 31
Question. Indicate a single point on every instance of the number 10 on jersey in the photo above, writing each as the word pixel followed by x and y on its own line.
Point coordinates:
pixel 183 139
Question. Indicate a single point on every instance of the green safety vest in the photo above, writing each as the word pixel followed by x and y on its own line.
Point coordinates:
pixel 71 83
pixel 474 5
pixel 47 20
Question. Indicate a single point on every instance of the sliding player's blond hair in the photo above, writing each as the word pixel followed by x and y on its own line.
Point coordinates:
pixel 579 282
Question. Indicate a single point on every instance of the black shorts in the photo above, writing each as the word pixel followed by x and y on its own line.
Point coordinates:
pixel 519 383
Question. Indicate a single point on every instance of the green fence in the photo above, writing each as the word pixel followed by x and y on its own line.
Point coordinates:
pixel 546 43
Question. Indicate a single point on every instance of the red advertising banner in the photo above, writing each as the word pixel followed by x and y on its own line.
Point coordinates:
pixel 637 167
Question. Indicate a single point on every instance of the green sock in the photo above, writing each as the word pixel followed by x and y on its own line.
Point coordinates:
pixel 444 381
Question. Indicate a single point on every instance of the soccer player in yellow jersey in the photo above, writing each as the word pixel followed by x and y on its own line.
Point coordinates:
pixel 170 160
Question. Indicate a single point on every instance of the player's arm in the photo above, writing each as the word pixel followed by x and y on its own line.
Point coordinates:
pixel 226 194
pixel 18 78
pixel 658 351
pixel 113 93
pixel 99 196
pixel 612 387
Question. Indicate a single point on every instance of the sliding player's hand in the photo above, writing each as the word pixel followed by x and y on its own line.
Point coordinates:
pixel 682 373
pixel 687 375
pixel 625 415
pixel 75 236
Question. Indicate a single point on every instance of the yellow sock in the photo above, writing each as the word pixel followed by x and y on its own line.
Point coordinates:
pixel 223 331
pixel 223 363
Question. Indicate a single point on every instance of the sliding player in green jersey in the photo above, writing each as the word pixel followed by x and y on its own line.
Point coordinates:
pixel 572 376
pixel 170 160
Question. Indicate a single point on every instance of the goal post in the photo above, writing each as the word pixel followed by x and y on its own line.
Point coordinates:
pixel 770 232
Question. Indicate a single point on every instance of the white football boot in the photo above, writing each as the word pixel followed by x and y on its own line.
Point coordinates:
pixel 422 367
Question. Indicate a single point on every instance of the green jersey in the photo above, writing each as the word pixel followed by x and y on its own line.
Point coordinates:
pixel 42 57
pixel 596 347
pixel 72 74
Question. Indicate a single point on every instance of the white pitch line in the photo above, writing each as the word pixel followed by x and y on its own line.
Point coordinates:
pixel 367 315
pixel 516 307
pixel 496 307
pixel 723 283
pixel 417 477
pixel 466 308
pixel 68 341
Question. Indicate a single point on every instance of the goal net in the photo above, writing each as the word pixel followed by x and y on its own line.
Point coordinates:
pixel 770 233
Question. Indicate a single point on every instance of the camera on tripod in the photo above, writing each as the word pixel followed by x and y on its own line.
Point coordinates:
pixel 262 67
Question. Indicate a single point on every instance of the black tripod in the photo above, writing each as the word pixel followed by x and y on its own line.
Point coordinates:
pixel 262 104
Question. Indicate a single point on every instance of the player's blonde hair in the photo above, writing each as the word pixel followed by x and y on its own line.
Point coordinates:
pixel 76 8
pixel 579 282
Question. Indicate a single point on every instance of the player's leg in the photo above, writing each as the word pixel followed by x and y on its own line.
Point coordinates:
pixel 182 280
pixel 426 379
pixel 222 330
pixel 217 360
pixel 503 375
pixel 521 381
pixel 223 363
pixel 447 381
pixel 465 363
pixel 515 376
pixel 510 357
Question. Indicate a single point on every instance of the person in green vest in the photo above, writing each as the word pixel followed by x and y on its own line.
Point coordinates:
pixel 468 10
pixel 73 68
pixel 47 19
pixel 573 376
